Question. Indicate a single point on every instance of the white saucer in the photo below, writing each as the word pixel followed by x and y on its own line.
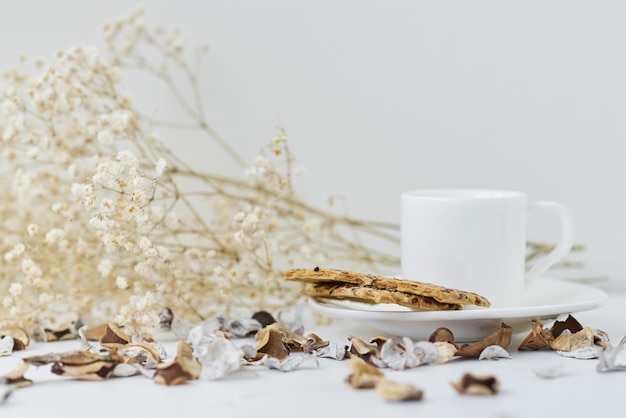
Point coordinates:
pixel 544 300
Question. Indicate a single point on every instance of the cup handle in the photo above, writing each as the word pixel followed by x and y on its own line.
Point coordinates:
pixel 564 246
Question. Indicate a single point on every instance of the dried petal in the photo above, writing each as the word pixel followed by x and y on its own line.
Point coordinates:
pixel 551 371
pixel 601 338
pixel 428 352
pixel 445 351
pixel 441 335
pixel 6 346
pixel 502 337
pixel 477 385
pixel 185 367
pixel 264 318
pixel 364 375
pixel 95 333
pixel 16 377
pixel 583 353
pixel 333 350
pixel 114 337
pixel 166 316
pixel 571 342
pixel 368 352
pixel 239 327
pixel 493 352
pixel 219 358
pixel 81 365
pixel 398 392
pixel 569 323
pixel 20 337
pixel 290 364
pixel 612 359
pixel 394 355
pixel 271 343
pixel 538 339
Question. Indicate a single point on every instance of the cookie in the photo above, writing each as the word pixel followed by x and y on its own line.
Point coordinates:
pixel 358 293
pixel 438 293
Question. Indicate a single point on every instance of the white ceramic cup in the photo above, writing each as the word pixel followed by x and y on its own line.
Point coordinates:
pixel 475 240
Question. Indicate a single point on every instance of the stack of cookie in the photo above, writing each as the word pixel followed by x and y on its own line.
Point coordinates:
pixel 361 287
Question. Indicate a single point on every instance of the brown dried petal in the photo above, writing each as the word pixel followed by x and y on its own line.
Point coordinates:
pixel 271 343
pixel 502 337
pixel 570 323
pixel 21 339
pixel 265 318
pixel 477 385
pixel 441 335
pixel 16 377
pixel 184 367
pixel 571 342
pixel 97 370
pixel 539 338
pixel 364 375
pixel 114 337
pixel 398 392
pixel 96 333
pixel 314 342
pixel 363 350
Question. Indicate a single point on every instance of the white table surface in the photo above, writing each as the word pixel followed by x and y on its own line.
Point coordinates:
pixel 320 391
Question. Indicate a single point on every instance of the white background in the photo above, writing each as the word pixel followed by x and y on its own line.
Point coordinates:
pixel 379 97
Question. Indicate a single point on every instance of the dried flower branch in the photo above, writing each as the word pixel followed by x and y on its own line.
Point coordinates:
pixel 102 222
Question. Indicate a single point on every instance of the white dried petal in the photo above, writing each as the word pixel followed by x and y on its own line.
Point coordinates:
pixel 493 352
pixel 551 371
pixel 393 356
pixel 612 359
pixel 239 327
pixel 219 357
pixel 84 344
pixel 429 350
pixel 125 370
pixel 290 364
pixel 583 353
pixel 6 346
pixel 445 351
pixel 180 328
pixel 202 333
pixel 5 391
pixel 332 350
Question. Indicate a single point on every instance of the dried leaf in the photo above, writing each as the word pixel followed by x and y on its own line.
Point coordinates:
pixel 364 375
pixel 398 392
pixel 477 385
pixel 538 339
pixel 183 368
pixel 502 337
